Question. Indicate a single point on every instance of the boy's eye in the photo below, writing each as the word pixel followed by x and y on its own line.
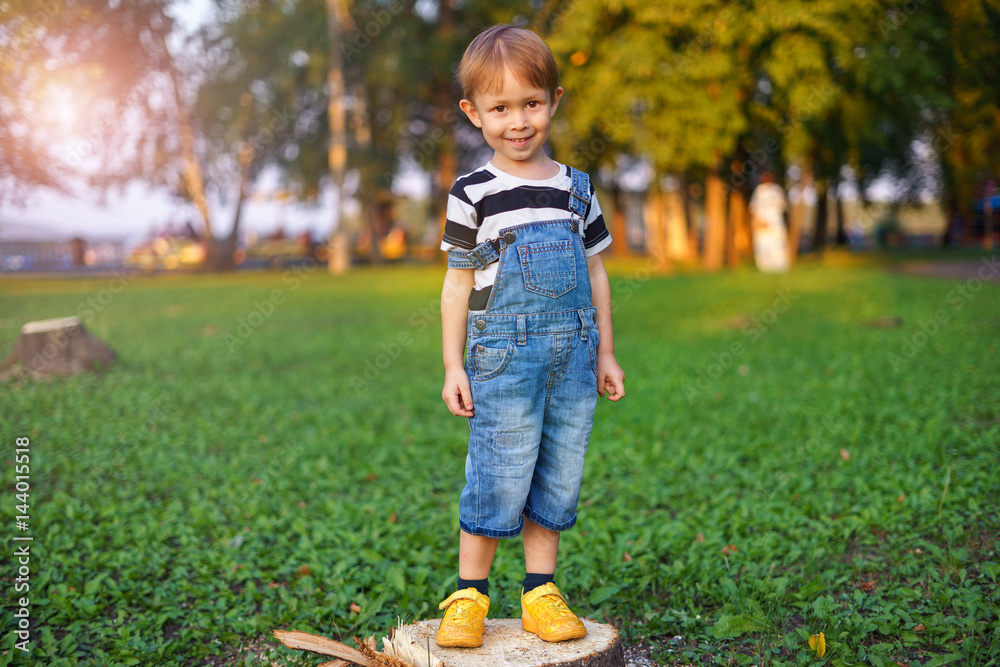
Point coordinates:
pixel 532 104
pixel 500 108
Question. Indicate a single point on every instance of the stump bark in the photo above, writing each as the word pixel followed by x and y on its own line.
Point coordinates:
pixel 61 346
pixel 506 644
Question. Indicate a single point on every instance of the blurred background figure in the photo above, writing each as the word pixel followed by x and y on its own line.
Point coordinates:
pixel 770 240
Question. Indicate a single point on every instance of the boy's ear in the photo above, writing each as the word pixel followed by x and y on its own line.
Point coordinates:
pixel 556 96
pixel 470 110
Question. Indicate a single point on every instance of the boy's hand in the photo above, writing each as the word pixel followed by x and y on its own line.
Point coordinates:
pixel 610 377
pixel 457 393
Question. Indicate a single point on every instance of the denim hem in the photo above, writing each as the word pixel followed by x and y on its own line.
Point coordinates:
pixel 491 532
pixel 545 523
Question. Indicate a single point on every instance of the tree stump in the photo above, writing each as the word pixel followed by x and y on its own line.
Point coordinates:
pixel 507 645
pixel 504 645
pixel 61 346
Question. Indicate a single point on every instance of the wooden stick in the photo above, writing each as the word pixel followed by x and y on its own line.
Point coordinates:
pixel 304 641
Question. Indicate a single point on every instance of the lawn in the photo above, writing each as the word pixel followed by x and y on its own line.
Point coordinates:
pixel 272 451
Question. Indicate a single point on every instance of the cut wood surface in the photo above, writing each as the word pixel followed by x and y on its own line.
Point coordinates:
pixel 61 346
pixel 506 644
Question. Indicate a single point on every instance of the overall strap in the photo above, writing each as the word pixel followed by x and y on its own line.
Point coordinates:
pixel 579 197
pixel 479 257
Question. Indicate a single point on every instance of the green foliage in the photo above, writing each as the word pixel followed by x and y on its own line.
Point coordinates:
pixel 642 76
pixel 258 461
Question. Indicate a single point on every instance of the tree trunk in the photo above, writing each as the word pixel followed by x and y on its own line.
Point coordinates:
pixel 229 249
pixel 619 241
pixel 339 261
pixel 445 111
pixel 822 215
pixel 739 241
pixel 797 218
pixel 60 346
pixel 840 240
pixel 678 247
pixel 692 231
pixel 369 188
pixel 988 227
pixel 656 226
pixel 715 222
pixel 948 234
pixel 194 181
pixel 737 234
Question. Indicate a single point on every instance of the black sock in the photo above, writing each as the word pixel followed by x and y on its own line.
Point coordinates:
pixel 481 585
pixel 533 580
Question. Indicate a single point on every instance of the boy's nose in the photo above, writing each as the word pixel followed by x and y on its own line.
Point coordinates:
pixel 518 120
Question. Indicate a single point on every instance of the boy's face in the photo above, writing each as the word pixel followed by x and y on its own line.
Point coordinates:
pixel 515 123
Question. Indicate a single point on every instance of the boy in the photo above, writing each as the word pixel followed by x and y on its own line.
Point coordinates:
pixel 528 290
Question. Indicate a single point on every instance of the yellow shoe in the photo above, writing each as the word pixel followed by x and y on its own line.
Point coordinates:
pixel 464 620
pixel 544 612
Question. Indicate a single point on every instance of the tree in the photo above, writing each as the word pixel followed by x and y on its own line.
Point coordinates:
pixel 397 99
pixel 705 89
pixel 262 102
pixel 24 93
pixel 657 80
pixel 967 136
pixel 294 86
pixel 109 63
pixel 56 87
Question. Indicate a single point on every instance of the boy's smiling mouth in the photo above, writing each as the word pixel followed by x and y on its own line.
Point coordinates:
pixel 519 140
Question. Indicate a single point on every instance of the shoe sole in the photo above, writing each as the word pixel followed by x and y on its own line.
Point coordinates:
pixel 469 643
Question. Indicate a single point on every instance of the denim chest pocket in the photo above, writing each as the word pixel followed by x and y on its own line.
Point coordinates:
pixel 491 357
pixel 549 267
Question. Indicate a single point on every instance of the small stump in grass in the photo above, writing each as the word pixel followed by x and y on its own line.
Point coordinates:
pixel 505 644
pixel 61 346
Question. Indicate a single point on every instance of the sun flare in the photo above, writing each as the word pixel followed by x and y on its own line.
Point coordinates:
pixel 60 110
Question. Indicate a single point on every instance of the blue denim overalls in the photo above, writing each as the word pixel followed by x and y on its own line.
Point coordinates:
pixel 531 361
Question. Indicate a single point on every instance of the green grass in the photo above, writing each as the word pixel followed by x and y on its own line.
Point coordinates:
pixel 211 487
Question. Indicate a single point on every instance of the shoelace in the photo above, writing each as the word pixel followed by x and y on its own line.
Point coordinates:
pixel 556 606
pixel 464 612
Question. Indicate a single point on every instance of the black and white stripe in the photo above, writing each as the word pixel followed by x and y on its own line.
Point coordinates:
pixel 488 200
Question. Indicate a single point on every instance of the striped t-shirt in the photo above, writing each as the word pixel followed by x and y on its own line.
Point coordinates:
pixel 488 200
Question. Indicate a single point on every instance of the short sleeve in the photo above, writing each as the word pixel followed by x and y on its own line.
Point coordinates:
pixel 460 226
pixel 595 232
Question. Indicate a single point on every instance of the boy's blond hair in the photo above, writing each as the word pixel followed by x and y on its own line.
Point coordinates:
pixel 506 47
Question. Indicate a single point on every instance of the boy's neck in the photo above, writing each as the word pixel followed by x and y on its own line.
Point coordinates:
pixel 540 169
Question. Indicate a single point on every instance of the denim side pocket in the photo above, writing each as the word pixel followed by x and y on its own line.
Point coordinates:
pixel 549 267
pixel 490 357
pixel 593 340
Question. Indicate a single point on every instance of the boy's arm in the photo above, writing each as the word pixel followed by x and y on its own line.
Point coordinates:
pixel 457 393
pixel 610 376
